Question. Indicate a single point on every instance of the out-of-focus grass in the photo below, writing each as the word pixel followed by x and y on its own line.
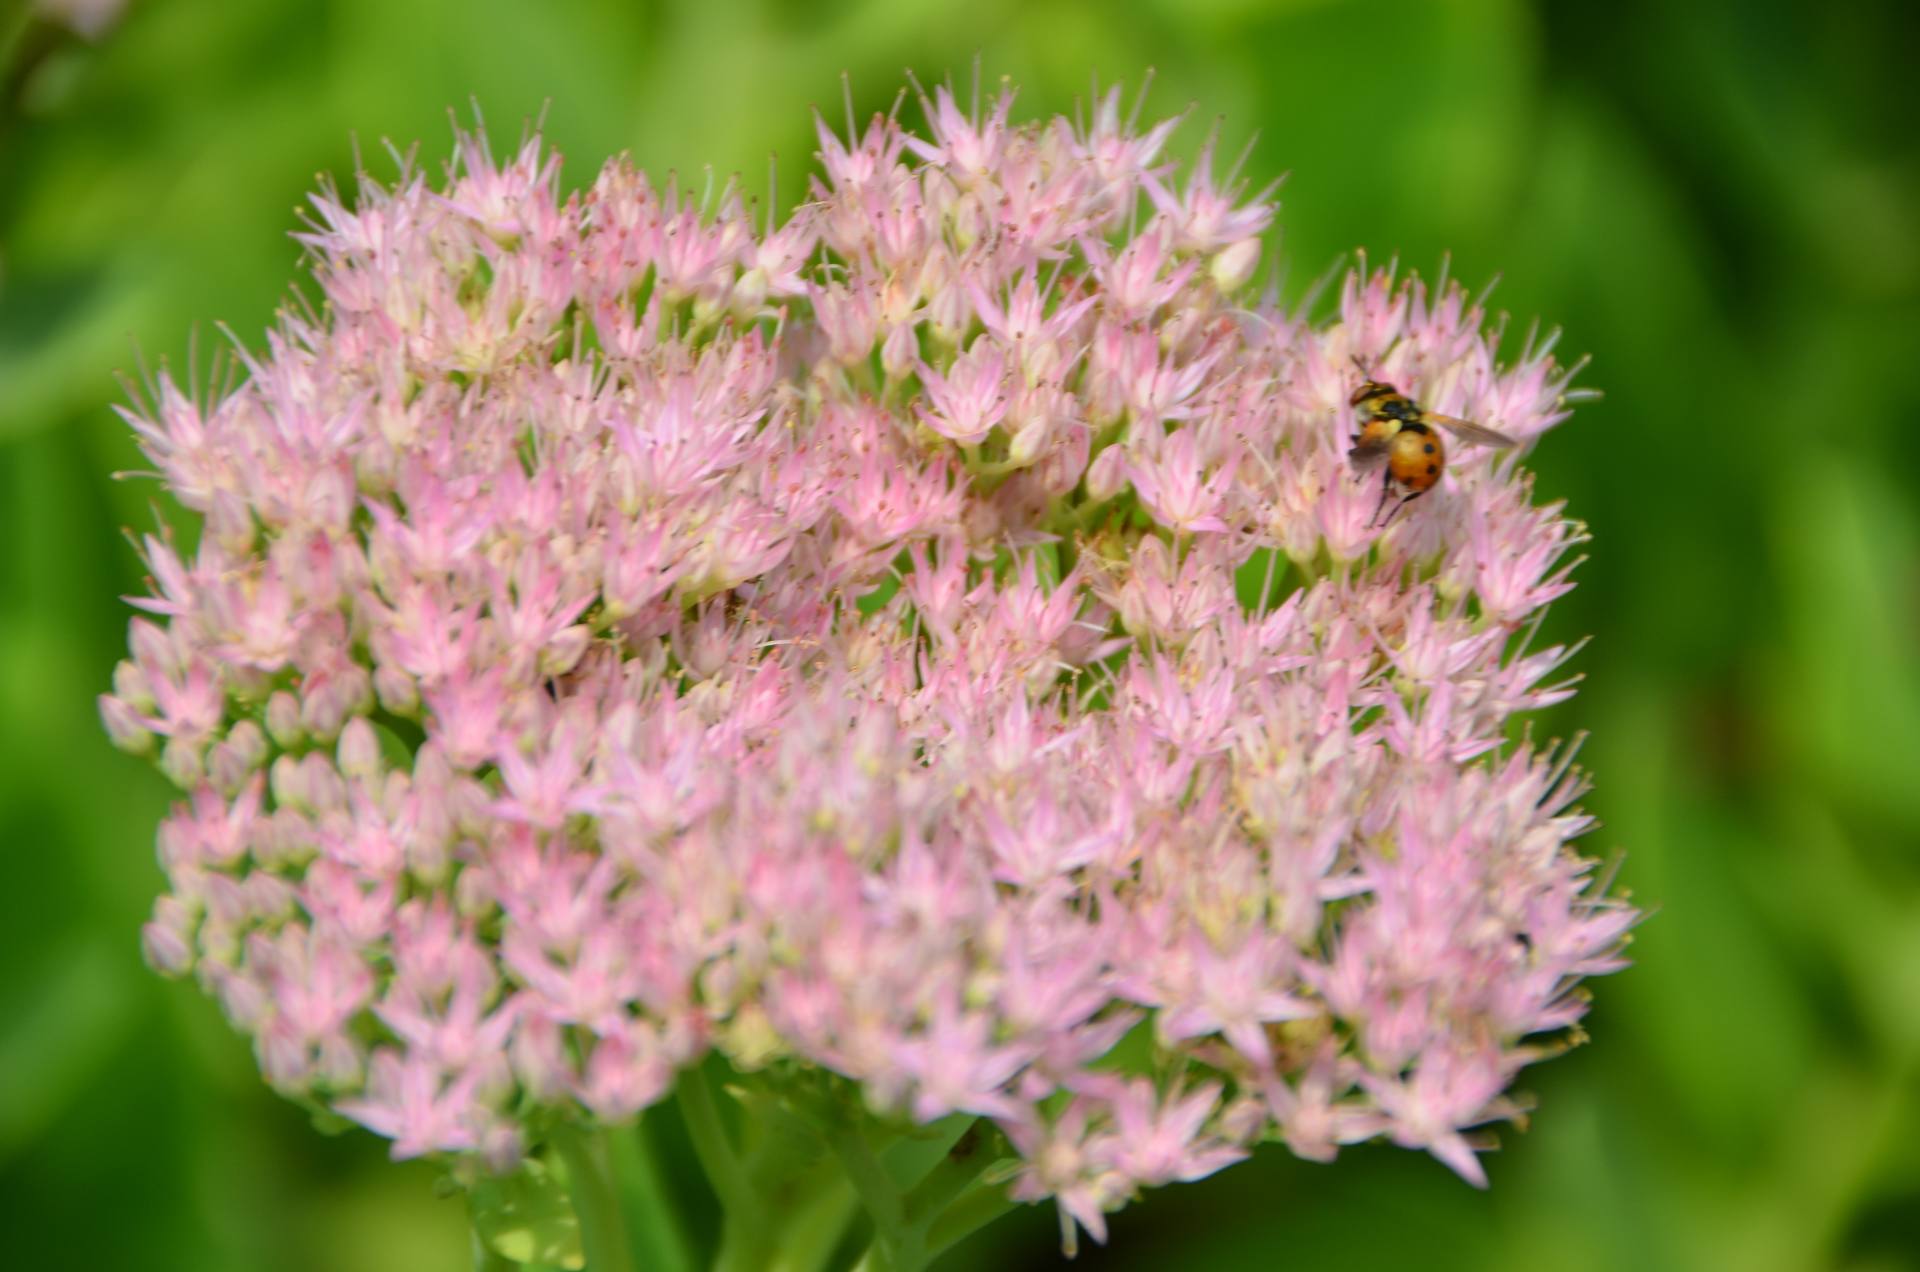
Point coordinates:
pixel 1716 200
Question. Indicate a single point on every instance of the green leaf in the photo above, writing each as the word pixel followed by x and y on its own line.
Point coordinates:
pixel 527 1217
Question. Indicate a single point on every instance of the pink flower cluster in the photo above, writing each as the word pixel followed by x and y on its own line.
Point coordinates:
pixel 934 639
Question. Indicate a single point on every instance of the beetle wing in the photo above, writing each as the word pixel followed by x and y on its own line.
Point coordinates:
pixel 1468 431
pixel 1369 455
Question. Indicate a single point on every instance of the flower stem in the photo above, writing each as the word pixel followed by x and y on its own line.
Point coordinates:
pixel 811 1230
pixel 974 1210
pixel 870 1179
pixel 603 1237
pixel 711 1143
pixel 747 1242
pixel 894 1243
pixel 951 1177
pixel 781 1212
pixel 659 1240
pixel 742 1249
pixel 912 1226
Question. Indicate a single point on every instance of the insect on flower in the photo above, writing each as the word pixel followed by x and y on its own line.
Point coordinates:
pixel 1399 435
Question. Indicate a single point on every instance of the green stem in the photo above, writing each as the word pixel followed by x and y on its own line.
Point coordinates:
pixel 973 1211
pixel 743 1248
pixel 654 1221
pixel 950 1177
pixel 782 1213
pixel 913 1157
pixel 603 1236
pixel 1071 517
pixel 748 1240
pixel 943 1205
pixel 1266 583
pixel 813 1230
pixel 712 1145
pixel 998 467
pixel 892 1238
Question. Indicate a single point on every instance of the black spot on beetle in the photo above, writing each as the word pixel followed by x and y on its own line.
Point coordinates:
pixel 1429 448
pixel 1432 469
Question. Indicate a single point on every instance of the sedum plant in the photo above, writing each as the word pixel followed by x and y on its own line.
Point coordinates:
pixel 916 684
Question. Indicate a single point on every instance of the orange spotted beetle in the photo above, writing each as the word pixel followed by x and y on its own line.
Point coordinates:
pixel 1398 434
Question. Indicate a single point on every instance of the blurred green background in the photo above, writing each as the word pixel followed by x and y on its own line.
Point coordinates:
pixel 1716 199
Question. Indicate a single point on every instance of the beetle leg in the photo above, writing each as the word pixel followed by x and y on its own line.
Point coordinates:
pixel 1404 501
pixel 1386 492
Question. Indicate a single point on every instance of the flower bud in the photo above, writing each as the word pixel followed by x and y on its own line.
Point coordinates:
pixel 123 726
pixel 183 762
pixel 1234 264
pixel 167 939
pixel 397 692
pixel 359 750
pixel 131 687
pixel 1107 474
pixel 283 719
pixel 900 352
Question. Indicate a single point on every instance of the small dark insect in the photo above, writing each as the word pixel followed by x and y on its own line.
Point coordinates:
pixel 1399 435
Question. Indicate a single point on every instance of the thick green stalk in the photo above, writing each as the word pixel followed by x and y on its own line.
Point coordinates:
pixel 783 1213
pixel 805 1204
pixel 912 1157
pixel 952 1176
pixel 944 1203
pixel 813 1228
pixel 747 1240
pixel 659 1239
pixel 603 1236
pixel 743 1248
pixel 870 1179
pixel 711 1143
pixel 974 1210
pixel 894 1243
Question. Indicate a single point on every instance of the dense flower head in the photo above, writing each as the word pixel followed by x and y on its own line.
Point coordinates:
pixel 936 639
